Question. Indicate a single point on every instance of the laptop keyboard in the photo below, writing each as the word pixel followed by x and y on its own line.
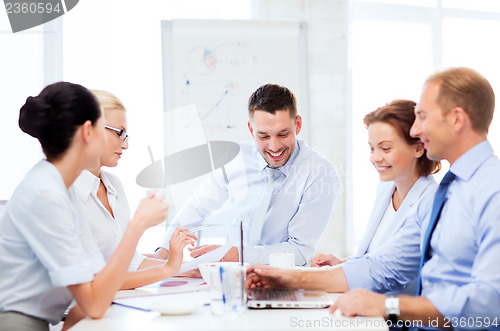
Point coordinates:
pixel 273 294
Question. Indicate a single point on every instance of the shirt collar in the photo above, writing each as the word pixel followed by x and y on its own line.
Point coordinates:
pixel 467 164
pixel 285 169
pixel 86 184
pixel 109 186
pixel 44 163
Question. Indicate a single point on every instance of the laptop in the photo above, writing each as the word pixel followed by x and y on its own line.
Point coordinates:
pixel 261 297
pixel 286 298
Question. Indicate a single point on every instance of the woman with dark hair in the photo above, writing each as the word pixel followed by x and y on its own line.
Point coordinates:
pixel 104 207
pixel 47 254
pixel 404 171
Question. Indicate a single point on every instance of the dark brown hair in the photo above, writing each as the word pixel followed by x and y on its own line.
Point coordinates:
pixel 271 98
pixel 400 114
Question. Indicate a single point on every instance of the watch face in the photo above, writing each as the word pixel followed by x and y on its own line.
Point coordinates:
pixel 392 307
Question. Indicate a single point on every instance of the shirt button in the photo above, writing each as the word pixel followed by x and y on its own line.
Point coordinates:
pixel 426 283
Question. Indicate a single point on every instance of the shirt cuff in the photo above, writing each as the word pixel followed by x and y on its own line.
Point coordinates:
pixel 165 244
pixel 77 274
pixel 136 261
pixel 256 254
pixel 357 273
pixel 449 301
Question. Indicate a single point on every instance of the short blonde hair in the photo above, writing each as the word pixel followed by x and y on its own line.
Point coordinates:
pixel 466 88
pixel 108 100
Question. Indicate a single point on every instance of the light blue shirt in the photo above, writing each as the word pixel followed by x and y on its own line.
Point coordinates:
pixel 385 190
pixel 422 187
pixel 304 193
pixel 462 278
pixel 44 247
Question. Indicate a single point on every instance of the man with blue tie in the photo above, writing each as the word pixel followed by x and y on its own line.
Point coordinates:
pixel 280 188
pixel 451 242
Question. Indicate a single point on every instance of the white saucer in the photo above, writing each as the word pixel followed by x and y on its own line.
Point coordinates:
pixel 175 308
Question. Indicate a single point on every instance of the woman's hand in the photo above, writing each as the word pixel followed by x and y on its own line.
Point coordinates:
pixel 151 211
pixel 180 239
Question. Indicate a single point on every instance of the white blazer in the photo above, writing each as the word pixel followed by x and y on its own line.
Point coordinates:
pixel 385 190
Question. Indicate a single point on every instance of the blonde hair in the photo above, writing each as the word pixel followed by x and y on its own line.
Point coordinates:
pixel 466 88
pixel 108 100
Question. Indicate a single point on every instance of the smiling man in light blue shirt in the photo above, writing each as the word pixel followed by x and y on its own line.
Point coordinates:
pixel 460 281
pixel 300 202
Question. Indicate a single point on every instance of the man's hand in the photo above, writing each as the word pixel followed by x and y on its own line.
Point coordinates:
pixel 360 302
pixel 160 254
pixel 233 255
pixel 195 273
pixel 200 250
pixel 265 276
pixel 321 260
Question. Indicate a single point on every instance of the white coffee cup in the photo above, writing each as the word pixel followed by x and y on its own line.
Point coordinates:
pixel 160 194
pixel 282 260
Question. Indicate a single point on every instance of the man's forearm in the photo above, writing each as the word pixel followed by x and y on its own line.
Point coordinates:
pixel 331 280
pixel 419 310
pixel 151 262
pixel 161 254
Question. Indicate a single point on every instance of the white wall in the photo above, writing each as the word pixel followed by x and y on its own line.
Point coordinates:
pixel 115 45
pixel 328 94
pixel 21 75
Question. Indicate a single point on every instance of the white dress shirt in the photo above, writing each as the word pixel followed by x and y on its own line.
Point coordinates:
pixel 106 229
pixel 304 193
pixel 385 228
pixel 44 247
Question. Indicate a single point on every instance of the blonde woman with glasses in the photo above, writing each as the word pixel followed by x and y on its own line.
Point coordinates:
pixel 103 205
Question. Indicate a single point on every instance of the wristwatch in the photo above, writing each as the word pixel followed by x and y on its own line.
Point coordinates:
pixel 392 308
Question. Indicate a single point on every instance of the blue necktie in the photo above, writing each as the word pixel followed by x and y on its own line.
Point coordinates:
pixel 439 200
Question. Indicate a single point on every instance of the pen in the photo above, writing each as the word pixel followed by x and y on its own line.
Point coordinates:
pixel 127 306
pixel 198 228
pixel 241 240
pixel 227 287
pixel 222 287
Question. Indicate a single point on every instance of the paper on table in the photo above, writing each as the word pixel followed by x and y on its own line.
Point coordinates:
pixel 174 284
pixel 165 287
pixel 150 302
pixel 213 256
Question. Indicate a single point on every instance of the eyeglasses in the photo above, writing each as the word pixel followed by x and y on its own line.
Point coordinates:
pixel 120 132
